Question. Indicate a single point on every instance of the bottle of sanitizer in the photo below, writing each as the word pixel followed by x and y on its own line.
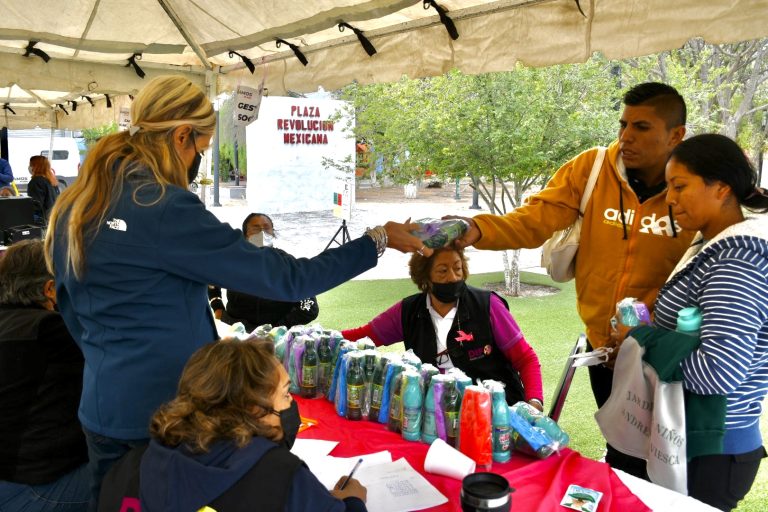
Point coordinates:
pixel 689 321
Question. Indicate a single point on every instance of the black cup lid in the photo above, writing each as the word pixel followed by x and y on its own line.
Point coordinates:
pixel 487 486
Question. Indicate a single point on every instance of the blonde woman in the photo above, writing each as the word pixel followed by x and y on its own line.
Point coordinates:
pixel 133 252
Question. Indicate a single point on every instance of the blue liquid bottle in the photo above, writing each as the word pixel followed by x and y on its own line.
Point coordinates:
pixel 429 427
pixel 500 424
pixel 412 400
pixel 689 321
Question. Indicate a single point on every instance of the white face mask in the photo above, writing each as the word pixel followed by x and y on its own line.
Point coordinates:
pixel 262 239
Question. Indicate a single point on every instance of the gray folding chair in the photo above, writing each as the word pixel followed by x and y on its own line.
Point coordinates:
pixel 558 400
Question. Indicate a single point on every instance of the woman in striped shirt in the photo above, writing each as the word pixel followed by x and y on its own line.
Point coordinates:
pixel 710 183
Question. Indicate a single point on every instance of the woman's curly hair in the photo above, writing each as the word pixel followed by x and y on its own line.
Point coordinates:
pixel 225 390
pixel 420 266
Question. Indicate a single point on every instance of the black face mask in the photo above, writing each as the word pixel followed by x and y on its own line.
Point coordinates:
pixel 290 421
pixel 192 171
pixel 195 166
pixel 448 293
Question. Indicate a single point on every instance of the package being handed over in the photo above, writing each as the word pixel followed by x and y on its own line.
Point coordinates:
pixel 534 433
pixel 437 233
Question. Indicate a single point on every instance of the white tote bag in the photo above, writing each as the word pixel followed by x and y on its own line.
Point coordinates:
pixel 558 254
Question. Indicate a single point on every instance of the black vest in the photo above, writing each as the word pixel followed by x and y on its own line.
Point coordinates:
pixel 470 341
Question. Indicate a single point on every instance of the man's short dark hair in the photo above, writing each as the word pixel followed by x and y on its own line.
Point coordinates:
pixel 663 98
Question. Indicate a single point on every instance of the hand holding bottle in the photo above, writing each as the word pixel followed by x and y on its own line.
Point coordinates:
pixel 401 238
pixel 470 236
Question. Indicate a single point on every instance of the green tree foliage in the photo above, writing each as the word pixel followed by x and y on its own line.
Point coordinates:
pixel 507 131
pixel 518 126
pixel 227 160
pixel 92 135
pixel 725 86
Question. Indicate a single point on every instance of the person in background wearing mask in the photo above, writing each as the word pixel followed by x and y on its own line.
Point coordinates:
pixel 133 252
pixel 224 441
pixel 254 311
pixel 451 324
pixel 42 187
pixel 42 455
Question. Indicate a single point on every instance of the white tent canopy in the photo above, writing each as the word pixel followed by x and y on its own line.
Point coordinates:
pixel 90 42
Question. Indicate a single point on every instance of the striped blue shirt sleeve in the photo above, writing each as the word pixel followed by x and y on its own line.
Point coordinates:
pixel 734 309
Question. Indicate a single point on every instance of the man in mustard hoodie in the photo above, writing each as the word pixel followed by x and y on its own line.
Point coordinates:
pixel 629 240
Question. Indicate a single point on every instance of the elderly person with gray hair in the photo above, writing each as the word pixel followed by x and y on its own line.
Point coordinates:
pixel 42 454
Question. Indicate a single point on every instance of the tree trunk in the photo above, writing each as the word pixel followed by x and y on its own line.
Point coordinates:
pixel 512 273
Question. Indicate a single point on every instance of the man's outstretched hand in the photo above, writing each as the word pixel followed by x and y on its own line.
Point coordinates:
pixel 471 236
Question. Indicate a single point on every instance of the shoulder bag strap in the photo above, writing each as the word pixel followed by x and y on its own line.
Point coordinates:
pixel 592 179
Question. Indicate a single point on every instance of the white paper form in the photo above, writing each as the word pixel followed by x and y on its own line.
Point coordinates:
pixel 397 487
pixel 311 448
pixel 329 469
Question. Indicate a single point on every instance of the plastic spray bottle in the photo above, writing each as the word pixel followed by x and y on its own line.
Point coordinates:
pixel 429 427
pixel 413 400
pixel 500 422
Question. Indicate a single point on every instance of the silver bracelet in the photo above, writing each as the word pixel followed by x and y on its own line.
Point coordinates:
pixel 379 236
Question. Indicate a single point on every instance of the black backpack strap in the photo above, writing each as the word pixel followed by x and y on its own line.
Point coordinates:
pixel 264 487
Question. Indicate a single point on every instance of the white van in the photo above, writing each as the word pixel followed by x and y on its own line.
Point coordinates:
pixel 23 144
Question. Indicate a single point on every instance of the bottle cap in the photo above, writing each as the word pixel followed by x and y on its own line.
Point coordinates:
pixel 689 319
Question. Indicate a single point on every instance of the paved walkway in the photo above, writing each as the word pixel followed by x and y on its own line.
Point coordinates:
pixel 307 234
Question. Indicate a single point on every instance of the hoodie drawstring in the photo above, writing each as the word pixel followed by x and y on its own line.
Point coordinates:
pixel 621 211
pixel 672 221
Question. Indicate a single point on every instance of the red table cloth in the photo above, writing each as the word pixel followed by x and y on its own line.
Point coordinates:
pixel 539 484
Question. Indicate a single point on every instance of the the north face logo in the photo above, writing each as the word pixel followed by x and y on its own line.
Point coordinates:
pixel 649 224
pixel 117 225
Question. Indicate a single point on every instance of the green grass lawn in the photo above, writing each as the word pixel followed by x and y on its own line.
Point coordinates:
pixel 551 325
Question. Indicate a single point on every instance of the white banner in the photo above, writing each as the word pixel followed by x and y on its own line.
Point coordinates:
pixel 124 120
pixel 247 103
pixel 344 186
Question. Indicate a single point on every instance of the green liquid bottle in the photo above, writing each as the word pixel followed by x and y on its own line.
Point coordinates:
pixel 395 404
pixel 309 362
pixel 324 358
pixel 355 387
pixel 451 406
pixel 377 387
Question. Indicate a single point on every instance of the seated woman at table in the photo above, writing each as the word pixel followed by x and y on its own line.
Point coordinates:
pixel 254 311
pixel 43 458
pixel 452 324
pixel 710 183
pixel 224 440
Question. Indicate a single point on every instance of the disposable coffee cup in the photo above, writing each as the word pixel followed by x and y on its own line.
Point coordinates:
pixel 485 492
pixel 443 459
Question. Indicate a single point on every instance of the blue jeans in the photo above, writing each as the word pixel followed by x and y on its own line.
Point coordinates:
pixel 70 493
pixel 103 452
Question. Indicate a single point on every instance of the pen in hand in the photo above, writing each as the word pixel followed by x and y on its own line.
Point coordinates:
pixel 351 473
